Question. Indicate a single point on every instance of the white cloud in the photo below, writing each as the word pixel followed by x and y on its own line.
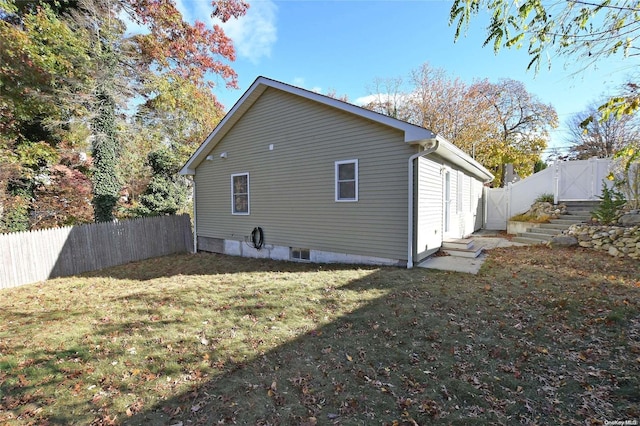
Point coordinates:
pixel 301 82
pixel 255 33
pixel 366 100
pixel 383 97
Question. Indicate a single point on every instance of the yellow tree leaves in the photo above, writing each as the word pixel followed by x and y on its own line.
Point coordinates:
pixel 496 123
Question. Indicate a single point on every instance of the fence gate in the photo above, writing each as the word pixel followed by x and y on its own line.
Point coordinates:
pixel 497 208
pixel 566 180
pixel 576 181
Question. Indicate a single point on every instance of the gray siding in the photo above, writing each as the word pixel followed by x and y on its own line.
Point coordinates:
pixel 292 186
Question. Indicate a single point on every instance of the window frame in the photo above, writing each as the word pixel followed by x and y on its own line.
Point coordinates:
pixel 337 181
pixel 300 254
pixel 233 195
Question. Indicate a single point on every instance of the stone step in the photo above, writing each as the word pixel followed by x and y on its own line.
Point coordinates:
pixel 564 221
pixel 589 203
pixel 559 226
pixel 535 236
pixel 578 215
pixel 547 231
pixel 525 240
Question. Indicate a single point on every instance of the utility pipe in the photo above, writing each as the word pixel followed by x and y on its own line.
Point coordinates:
pixel 195 217
pixel 410 197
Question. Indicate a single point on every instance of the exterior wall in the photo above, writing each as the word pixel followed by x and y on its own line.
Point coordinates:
pixel 289 145
pixel 430 207
pixel 270 251
pixel 466 204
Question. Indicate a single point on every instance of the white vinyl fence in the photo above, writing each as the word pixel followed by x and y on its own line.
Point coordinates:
pixel 567 180
pixel 27 257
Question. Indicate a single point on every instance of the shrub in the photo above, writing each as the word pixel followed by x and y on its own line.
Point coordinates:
pixel 526 217
pixel 545 198
pixel 609 210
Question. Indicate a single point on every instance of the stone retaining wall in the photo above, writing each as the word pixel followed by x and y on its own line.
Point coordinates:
pixel 618 241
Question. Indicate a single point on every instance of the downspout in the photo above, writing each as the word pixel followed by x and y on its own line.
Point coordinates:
pixel 410 197
pixel 195 217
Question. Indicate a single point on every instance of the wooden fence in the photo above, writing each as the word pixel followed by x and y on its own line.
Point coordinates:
pixel 27 257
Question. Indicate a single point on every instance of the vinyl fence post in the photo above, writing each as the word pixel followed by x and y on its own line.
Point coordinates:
pixel 556 178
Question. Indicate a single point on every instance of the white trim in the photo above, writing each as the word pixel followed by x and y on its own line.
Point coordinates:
pixel 233 212
pixel 336 181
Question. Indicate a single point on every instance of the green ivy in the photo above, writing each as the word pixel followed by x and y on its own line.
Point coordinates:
pixel 106 185
pixel 167 191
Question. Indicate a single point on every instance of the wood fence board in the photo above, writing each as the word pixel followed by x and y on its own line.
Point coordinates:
pixel 27 257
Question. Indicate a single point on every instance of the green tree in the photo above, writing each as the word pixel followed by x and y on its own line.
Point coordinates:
pixel 167 191
pixel 589 31
pixel 609 210
pixel 105 143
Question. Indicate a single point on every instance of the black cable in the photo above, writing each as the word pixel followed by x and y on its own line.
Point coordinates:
pixel 257 237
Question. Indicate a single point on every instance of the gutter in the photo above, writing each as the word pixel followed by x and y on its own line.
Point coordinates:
pixel 424 153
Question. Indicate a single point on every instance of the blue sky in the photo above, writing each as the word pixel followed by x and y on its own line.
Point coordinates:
pixel 343 46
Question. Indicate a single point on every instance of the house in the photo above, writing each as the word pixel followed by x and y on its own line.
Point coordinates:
pixel 292 174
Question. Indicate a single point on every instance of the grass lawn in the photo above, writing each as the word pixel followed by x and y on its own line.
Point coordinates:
pixel 539 336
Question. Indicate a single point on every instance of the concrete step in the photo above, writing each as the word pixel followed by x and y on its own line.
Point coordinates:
pixel 458 244
pixel 471 253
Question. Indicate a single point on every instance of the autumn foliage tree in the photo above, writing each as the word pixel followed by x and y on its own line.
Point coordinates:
pixel 69 73
pixel 496 123
pixel 523 124
pixel 591 136
pixel 40 55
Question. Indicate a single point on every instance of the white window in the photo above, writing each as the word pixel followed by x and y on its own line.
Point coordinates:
pixel 347 180
pixel 300 254
pixel 240 193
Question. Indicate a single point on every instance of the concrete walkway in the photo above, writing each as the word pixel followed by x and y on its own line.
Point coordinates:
pixel 486 239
